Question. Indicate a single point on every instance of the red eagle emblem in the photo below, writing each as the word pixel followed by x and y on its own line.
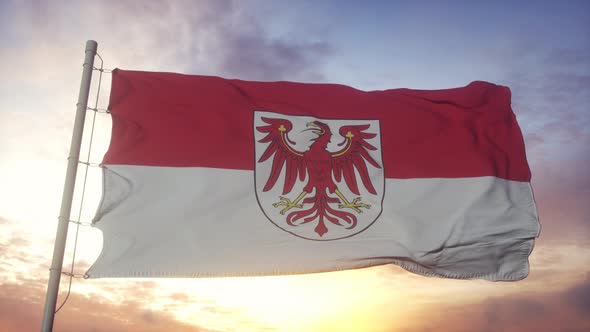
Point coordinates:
pixel 325 176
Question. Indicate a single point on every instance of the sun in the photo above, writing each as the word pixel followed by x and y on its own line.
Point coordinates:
pixel 335 301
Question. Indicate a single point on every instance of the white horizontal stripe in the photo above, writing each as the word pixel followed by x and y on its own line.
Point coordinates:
pixel 201 222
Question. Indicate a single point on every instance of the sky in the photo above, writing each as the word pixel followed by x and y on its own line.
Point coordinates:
pixel 540 49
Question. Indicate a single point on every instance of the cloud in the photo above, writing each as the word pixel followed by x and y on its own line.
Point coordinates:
pixel 217 37
pixel 567 57
pixel 201 37
pixel 499 313
pixel 21 309
pixel 579 297
pixel 526 311
pixel 14 252
pixel 274 59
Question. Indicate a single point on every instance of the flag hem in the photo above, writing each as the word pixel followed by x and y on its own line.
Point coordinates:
pixel 525 249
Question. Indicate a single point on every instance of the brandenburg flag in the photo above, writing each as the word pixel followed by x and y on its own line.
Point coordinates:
pixel 209 177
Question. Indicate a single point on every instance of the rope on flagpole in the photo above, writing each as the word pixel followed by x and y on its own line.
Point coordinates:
pixel 99 110
pixel 88 164
pixel 102 70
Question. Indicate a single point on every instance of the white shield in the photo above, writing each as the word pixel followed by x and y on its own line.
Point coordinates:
pixel 315 215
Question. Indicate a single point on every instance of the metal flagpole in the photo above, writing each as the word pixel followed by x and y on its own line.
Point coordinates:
pixel 68 193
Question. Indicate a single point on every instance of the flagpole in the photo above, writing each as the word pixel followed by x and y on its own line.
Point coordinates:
pixel 68 192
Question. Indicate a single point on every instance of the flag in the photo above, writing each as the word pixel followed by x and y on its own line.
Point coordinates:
pixel 207 177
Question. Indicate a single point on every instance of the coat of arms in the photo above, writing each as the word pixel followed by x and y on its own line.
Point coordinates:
pixel 319 179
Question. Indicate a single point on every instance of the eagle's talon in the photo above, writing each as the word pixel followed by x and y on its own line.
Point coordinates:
pixel 354 205
pixel 284 201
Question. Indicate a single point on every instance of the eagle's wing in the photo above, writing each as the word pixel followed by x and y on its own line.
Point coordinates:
pixel 277 132
pixel 353 155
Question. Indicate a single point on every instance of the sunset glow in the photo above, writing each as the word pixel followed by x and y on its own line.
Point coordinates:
pixel 539 50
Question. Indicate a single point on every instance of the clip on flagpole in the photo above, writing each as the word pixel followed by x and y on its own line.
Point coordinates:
pixel 68 193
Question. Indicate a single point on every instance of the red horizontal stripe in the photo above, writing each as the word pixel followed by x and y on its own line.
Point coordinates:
pixel 165 119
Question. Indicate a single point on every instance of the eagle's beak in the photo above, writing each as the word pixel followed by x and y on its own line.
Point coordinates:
pixel 315 128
